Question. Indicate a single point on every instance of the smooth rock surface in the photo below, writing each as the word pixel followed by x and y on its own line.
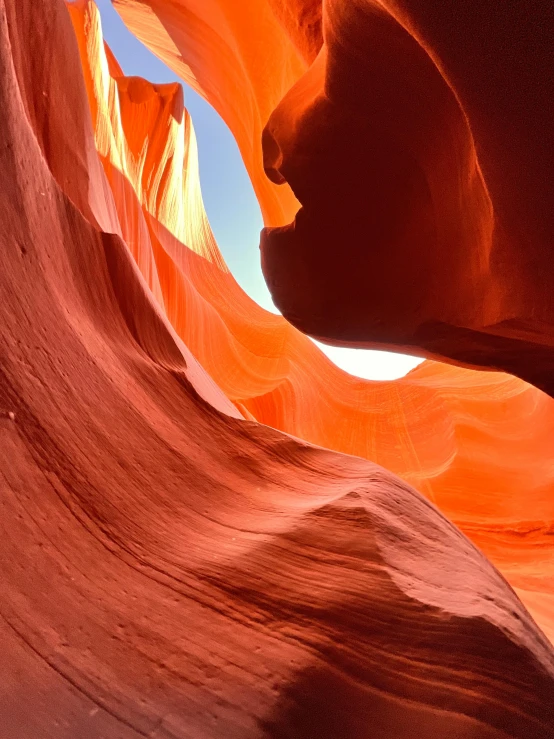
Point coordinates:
pixel 170 569
pixel 417 137
pixel 477 444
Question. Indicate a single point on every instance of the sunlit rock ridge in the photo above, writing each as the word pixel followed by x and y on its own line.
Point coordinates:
pixel 174 565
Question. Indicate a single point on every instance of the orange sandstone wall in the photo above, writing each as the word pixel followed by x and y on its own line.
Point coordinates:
pixel 416 138
pixel 168 568
pixel 468 440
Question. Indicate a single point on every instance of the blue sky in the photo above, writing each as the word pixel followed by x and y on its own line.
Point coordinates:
pixel 229 199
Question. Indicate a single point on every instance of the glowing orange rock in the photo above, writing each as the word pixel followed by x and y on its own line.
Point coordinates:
pixel 405 237
pixel 169 569
pixel 466 440
pixel 241 58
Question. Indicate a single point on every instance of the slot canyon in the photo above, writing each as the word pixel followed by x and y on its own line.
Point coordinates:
pixel 208 529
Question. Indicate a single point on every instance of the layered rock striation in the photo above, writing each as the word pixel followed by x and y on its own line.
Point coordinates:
pixel 173 569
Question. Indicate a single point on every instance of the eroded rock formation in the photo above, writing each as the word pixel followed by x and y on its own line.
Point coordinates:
pixel 422 167
pixel 474 464
pixel 170 569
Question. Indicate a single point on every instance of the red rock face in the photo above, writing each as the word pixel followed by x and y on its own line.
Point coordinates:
pixel 434 229
pixel 453 434
pixel 169 568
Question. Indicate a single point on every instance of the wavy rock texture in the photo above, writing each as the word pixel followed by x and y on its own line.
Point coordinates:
pixel 169 569
pixel 422 167
pixel 242 58
pixel 467 440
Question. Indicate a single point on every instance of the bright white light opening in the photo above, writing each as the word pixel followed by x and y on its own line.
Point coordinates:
pixel 370 364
